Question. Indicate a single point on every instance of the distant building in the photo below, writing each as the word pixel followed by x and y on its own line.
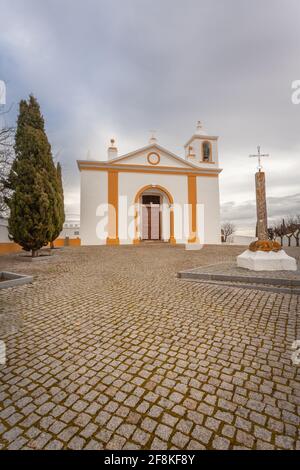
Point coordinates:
pixel 240 239
pixel 71 229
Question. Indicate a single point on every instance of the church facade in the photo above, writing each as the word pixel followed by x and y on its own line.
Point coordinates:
pixel 152 194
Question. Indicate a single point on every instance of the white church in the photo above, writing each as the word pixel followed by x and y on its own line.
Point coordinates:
pixel 152 194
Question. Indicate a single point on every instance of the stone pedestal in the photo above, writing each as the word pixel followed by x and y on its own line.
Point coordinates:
pixel 266 261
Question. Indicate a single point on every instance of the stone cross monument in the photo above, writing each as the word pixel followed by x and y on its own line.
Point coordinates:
pixel 261 202
pixel 264 254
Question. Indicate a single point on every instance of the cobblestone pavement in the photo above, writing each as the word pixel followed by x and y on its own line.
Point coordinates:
pixel 108 349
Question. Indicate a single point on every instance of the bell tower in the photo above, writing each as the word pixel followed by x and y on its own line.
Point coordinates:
pixel 202 149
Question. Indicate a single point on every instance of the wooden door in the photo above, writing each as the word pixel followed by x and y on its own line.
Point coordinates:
pixel 150 222
pixel 145 223
pixel 154 222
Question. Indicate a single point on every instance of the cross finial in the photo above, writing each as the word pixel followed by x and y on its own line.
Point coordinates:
pixel 152 139
pixel 259 156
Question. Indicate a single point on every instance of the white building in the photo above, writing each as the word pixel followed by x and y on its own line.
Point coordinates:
pixel 71 229
pixel 4 231
pixel 238 238
pixel 152 194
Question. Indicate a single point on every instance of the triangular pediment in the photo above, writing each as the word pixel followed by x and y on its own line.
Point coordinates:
pixel 153 156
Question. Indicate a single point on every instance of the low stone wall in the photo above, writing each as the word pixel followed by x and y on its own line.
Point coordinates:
pixel 11 247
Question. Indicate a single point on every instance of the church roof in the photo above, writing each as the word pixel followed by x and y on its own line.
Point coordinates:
pixel 128 162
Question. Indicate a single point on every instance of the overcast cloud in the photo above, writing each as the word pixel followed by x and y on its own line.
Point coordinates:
pixel 103 68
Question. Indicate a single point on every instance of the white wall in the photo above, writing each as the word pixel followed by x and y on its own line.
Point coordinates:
pixel 197 147
pixel 240 239
pixel 93 192
pixel 71 232
pixel 165 159
pixel 208 194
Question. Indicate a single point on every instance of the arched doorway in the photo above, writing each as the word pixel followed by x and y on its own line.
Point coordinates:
pixel 151 204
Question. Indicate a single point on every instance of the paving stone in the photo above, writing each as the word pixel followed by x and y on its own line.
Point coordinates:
pixel 94 445
pixel 68 433
pixel 56 427
pixel 116 443
pixel 141 437
pixel 12 434
pixel 180 440
pixel 41 440
pixel 17 444
pixel 228 430
pixel 54 445
pixel 163 432
pixel 220 443
pixel 77 443
pixel 89 430
pixel 262 445
pixel 169 419
pixel 45 408
pixel 126 430
pixel 201 434
pixel 114 423
pixel 158 444
pixel 244 438
pixel 262 434
pixel 285 442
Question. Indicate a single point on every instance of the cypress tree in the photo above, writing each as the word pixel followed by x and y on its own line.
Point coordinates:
pixel 60 213
pixel 32 182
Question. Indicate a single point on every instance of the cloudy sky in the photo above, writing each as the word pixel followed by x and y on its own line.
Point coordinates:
pixel 103 68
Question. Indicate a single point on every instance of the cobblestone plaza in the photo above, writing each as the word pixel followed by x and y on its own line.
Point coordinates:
pixel 108 349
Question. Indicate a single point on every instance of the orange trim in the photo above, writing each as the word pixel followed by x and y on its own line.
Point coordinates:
pixel 172 239
pixel 149 158
pixel 67 242
pixel 58 242
pixel 6 248
pixel 147 169
pixel 192 199
pixel 153 186
pixel 113 206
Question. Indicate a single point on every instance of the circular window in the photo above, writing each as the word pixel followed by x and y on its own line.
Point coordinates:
pixel 153 158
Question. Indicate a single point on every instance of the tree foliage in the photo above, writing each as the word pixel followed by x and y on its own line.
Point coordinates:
pixel 227 229
pixel 6 158
pixel 60 212
pixel 289 228
pixel 34 203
